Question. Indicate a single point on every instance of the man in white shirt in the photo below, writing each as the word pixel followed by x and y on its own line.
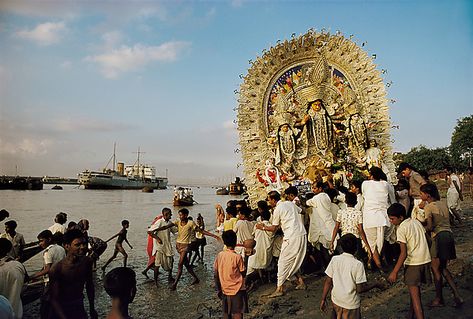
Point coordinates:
pixel 414 255
pixel 286 216
pixel 17 240
pixel 321 221
pixel 162 246
pixel 59 225
pixel 52 254
pixel 12 277
pixel 375 203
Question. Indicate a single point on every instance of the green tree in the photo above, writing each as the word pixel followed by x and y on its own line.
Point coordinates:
pixel 461 145
pixel 423 158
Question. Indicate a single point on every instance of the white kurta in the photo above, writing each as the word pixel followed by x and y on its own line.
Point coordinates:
pixel 263 250
pixel 163 252
pixel 321 221
pixel 287 216
pixel 12 277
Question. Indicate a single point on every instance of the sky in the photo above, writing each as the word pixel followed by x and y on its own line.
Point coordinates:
pixel 77 76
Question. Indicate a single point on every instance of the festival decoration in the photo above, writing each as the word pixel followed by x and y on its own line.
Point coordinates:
pixel 310 107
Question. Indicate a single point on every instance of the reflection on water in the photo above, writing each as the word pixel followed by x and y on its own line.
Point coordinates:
pixel 35 210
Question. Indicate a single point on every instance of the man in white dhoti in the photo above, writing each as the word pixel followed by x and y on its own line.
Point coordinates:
pixel 286 216
pixel 454 195
pixel 321 221
pixel 162 247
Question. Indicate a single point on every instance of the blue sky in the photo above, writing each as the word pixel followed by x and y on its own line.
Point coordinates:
pixel 77 76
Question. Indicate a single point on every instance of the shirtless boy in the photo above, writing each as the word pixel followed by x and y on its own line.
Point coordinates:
pixel 67 280
pixel 119 244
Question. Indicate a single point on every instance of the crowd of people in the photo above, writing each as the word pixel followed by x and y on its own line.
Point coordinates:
pixel 335 230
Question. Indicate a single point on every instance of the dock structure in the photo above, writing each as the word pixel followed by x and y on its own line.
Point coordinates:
pixel 21 182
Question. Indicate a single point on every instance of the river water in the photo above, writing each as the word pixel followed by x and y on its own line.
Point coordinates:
pixel 34 211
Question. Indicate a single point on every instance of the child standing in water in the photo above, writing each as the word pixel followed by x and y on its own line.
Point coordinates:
pixel 119 244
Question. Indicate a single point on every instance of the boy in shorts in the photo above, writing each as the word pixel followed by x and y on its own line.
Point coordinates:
pixel 229 275
pixel 121 237
pixel 347 278
pixel 415 256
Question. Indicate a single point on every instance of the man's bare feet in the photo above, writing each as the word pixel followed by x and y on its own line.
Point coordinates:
pixel 301 286
pixel 436 303
pixel 276 294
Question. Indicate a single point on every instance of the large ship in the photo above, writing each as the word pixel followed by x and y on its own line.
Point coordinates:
pixel 136 176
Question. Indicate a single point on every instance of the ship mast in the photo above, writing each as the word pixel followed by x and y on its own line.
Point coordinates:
pixel 138 163
pixel 114 159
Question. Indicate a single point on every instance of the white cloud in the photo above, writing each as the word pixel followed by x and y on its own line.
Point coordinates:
pixel 32 146
pixel 111 39
pixel 44 34
pixel 66 64
pixel 127 58
pixel 83 124
pixel 237 3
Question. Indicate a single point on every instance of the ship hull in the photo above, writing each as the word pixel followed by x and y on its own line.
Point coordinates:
pixel 106 181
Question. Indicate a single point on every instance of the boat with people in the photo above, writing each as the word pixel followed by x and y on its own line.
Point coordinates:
pixel 136 176
pixel 183 196
pixel 222 191
pixel 237 187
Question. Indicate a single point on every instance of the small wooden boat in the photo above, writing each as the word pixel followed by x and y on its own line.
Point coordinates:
pixel 183 197
pixel 30 250
pixel 188 201
pixel 147 190
pixel 222 191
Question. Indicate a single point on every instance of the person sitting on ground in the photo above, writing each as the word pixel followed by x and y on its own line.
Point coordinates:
pixel 414 255
pixel 12 277
pixel 52 254
pixel 68 277
pixel 443 244
pixel 346 278
pixel 350 221
pixel 120 285
pixel 121 237
pixel 59 224
pixel 229 275
pixel 17 240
